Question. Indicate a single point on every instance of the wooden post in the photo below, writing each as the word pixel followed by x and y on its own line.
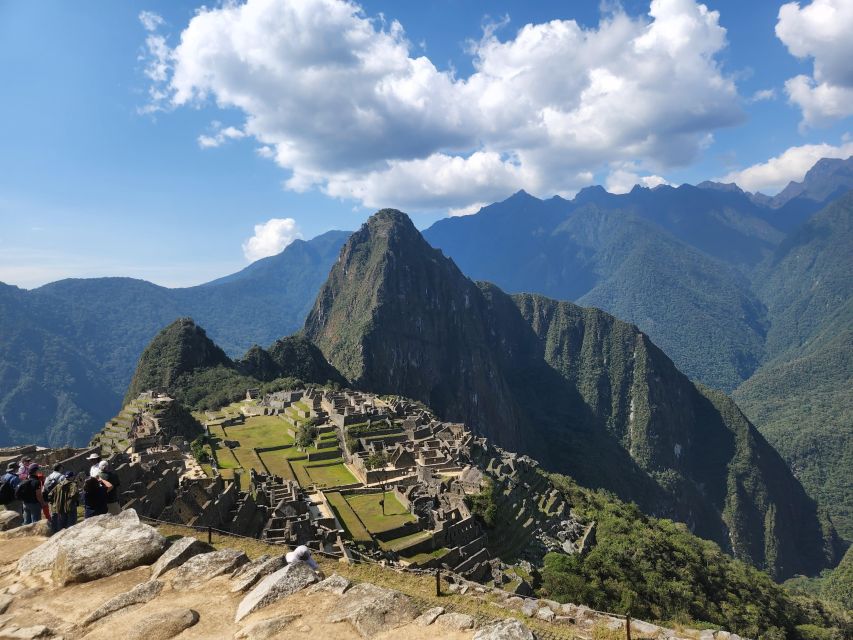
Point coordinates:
pixel 628 626
pixel 210 536
pixel 438 583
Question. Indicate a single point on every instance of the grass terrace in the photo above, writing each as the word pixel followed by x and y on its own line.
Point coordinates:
pixel 370 511
pixel 348 518
pixel 334 475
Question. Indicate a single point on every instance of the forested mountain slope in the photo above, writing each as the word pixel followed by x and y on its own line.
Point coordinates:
pixel 583 392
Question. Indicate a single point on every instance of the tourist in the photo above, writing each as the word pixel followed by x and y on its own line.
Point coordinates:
pixel 8 483
pixel 112 494
pixel 23 466
pixel 29 492
pixel 64 502
pixel 95 496
pixel 94 470
pixel 52 480
pixel 303 554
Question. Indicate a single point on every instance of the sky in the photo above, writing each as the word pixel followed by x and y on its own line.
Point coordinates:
pixel 176 142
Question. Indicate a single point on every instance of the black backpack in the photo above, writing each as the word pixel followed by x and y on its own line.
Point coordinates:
pixel 7 492
pixel 26 490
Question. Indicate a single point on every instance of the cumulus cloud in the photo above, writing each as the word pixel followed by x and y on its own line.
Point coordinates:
pixel 151 21
pixel 774 175
pixel 345 105
pixel 763 94
pixel 821 31
pixel 270 238
pixel 622 179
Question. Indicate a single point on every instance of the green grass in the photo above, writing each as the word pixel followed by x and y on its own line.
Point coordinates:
pixel 260 432
pixel 331 476
pixel 400 544
pixel 370 511
pixel 277 464
pixel 429 555
pixel 348 518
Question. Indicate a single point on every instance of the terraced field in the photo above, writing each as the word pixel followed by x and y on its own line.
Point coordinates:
pixel 370 511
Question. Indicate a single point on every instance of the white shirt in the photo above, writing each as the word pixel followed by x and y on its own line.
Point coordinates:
pixel 95 470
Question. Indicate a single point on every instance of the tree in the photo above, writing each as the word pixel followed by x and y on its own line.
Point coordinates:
pixel 378 460
pixel 305 435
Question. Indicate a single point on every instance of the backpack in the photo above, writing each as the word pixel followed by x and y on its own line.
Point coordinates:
pixel 48 486
pixel 26 490
pixel 7 491
pixel 65 498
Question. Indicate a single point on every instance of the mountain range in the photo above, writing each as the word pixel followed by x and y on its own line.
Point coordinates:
pixel 745 293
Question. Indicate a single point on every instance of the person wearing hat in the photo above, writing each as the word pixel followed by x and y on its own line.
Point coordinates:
pixel 9 482
pixel 113 507
pixel 23 466
pixel 303 554
pixel 29 492
pixel 94 470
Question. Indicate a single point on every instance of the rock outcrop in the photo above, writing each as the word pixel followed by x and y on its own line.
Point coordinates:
pixel 199 569
pixel 140 594
pixel 162 625
pixel 178 553
pixel 95 548
pixel 284 582
pixel 371 609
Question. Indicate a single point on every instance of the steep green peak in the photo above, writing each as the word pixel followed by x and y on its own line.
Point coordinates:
pixel 179 348
pixel 388 223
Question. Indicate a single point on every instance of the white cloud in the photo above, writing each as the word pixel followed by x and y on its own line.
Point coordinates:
pixel 220 136
pixel 622 179
pixel 151 21
pixel 820 30
pixel 344 105
pixel 271 238
pixel 763 94
pixel 467 211
pixel 774 175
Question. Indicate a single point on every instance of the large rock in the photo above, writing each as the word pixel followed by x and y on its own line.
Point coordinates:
pixel 162 625
pixel 10 520
pixel 14 632
pixel 265 629
pixel 40 528
pixel 509 629
pixel 96 548
pixel 196 571
pixel 178 553
pixel 456 621
pixel 429 616
pixel 333 584
pixel 254 571
pixel 284 582
pixel 371 609
pixel 140 594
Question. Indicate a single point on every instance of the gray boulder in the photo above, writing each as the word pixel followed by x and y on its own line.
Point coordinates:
pixel 161 626
pixel 457 621
pixel 10 520
pixel 177 554
pixel 265 629
pixel 40 528
pixel 284 582
pixel 529 608
pixel 196 571
pixel 14 632
pixel 545 614
pixel 252 572
pixel 333 584
pixel 140 594
pixel 509 629
pixel 242 569
pixel 371 609
pixel 96 548
pixel 429 616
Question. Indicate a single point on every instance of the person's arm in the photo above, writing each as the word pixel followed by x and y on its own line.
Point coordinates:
pixel 107 484
pixel 40 497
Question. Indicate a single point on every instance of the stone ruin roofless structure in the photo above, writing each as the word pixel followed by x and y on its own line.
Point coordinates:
pixel 432 468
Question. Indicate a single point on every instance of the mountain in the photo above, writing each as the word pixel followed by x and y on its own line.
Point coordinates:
pixel 186 363
pixel 576 388
pixel 803 395
pixel 611 252
pixel 67 349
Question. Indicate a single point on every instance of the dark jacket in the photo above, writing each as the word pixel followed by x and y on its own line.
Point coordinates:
pixel 94 498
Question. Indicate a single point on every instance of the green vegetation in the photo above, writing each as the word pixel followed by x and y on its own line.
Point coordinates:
pixel 306 433
pixel 484 504
pixel 348 518
pixel 334 475
pixel 369 510
pixel 657 569
pixel 833 585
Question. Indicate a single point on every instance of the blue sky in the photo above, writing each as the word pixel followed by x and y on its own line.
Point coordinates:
pixel 110 165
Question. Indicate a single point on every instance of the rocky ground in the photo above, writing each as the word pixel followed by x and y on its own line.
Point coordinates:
pixel 113 576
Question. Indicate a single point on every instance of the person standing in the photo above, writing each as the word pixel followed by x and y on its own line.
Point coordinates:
pixel 94 470
pixel 29 492
pixel 8 483
pixel 111 477
pixel 23 466
pixel 63 504
pixel 95 496
pixel 51 481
